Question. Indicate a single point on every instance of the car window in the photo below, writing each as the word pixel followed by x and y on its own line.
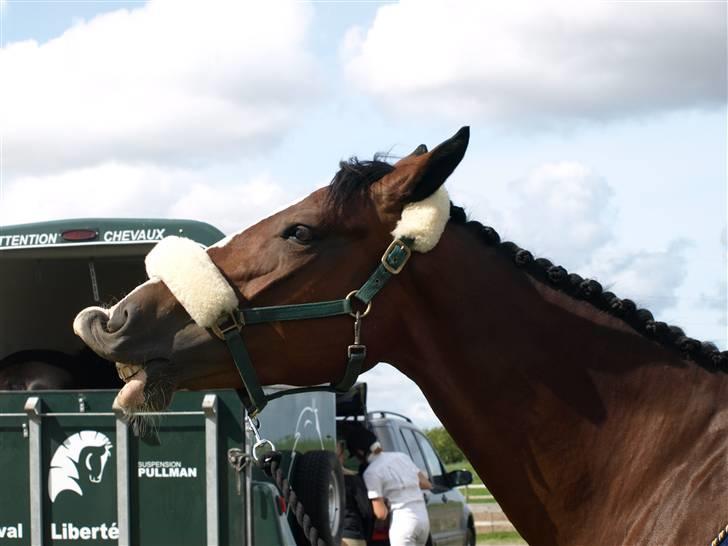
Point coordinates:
pixel 433 461
pixel 384 435
pixel 413 449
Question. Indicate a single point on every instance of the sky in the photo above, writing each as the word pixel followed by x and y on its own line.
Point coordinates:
pixel 598 129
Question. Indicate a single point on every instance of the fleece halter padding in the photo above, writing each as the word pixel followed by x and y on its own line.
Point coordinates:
pixel 423 222
pixel 189 273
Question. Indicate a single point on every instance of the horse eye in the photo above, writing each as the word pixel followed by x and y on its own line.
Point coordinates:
pixel 300 234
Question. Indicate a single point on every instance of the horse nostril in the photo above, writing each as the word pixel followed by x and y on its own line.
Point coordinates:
pixel 118 319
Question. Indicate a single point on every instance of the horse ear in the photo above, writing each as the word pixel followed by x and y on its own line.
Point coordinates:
pixel 420 174
pixel 420 150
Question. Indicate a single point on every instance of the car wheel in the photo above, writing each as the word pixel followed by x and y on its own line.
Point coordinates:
pixel 470 535
pixel 319 484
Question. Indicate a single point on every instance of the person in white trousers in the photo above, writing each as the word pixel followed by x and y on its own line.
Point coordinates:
pixel 393 476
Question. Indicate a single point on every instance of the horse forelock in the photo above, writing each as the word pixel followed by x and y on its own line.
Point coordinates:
pixel 354 178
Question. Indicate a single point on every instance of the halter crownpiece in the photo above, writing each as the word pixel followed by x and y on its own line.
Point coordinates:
pixel 199 286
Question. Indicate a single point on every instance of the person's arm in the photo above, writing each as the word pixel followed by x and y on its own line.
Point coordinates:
pixel 380 508
pixel 424 482
pixel 375 492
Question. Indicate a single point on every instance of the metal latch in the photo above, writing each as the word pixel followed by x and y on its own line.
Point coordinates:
pixel 238 460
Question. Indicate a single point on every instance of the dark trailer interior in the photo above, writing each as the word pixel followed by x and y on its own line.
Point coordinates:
pixel 49 271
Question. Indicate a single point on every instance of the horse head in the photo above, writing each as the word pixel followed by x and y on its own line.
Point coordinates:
pixel 319 249
pixel 94 460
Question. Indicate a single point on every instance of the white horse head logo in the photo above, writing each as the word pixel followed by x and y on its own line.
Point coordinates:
pixel 82 454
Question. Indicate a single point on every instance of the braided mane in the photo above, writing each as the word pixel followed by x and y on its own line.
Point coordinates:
pixel 355 177
pixel 703 353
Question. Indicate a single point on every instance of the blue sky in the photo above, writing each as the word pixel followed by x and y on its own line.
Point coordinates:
pixel 598 128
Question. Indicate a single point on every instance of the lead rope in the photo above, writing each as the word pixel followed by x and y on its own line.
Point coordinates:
pixel 718 540
pixel 270 464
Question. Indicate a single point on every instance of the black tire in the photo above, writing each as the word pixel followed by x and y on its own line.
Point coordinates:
pixel 318 481
pixel 470 535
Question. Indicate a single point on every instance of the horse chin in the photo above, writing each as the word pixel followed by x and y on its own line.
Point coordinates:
pixel 131 396
pixel 149 389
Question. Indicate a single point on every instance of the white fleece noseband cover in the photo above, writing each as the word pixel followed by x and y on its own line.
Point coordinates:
pixel 189 273
pixel 424 221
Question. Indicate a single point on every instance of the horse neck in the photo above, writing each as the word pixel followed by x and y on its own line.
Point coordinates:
pixel 568 415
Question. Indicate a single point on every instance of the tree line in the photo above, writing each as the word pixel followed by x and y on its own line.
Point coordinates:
pixel 445 445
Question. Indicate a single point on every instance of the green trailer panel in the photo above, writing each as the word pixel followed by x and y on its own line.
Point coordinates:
pixel 76 472
pixel 14 484
pixel 83 475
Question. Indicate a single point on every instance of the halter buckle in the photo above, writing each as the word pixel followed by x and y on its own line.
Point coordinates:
pixel 233 321
pixel 397 244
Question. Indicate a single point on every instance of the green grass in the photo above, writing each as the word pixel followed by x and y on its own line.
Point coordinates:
pixel 501 537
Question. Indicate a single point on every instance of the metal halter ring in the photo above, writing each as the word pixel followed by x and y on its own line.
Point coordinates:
pixel 259 444
pixel 353 313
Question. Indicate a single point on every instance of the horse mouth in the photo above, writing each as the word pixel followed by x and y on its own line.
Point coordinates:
pixel 127 371
pixel 147 387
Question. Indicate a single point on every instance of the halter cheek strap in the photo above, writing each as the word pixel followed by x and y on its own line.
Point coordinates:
pixel 194 280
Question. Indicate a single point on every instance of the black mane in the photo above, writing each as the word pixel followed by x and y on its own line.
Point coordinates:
pixel 355 177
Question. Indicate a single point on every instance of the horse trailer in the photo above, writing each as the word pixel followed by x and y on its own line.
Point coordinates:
pixel 76 471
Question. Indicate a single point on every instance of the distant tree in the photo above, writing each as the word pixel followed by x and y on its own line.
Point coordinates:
pixel 445 445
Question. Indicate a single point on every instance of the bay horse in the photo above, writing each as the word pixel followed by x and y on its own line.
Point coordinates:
pixel 589 421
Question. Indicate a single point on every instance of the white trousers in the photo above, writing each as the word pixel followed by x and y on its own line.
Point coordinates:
pixel 410 525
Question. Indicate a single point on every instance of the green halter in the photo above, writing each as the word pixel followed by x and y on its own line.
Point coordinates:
pixel 228 328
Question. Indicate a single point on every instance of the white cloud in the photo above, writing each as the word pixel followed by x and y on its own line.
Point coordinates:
pixel 566 212
pixel 562 211
pixel 650 278
pixel 231 208
pixel 540 62
pixel 165 83
pixel 391 390
pixel 119 190
pixel 715 298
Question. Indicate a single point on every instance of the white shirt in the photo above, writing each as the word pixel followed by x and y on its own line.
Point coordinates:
pixel 393 475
